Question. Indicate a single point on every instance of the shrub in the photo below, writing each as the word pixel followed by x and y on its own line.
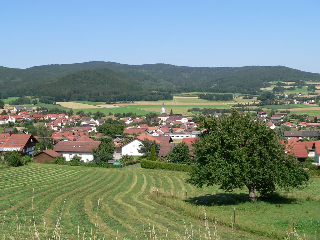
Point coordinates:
pixel 13 159
pixel 162 165
pixel 75 161
pixel 60 160
pixel 126 160
pixel 26 159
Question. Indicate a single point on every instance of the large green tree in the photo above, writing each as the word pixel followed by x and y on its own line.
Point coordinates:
pixel 104 152
pixel 111 127
pixel 239 151
pixel 180 154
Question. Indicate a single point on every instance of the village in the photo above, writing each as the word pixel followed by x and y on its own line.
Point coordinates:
pixel 77 136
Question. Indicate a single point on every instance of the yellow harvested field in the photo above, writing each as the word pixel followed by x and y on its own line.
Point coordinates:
pixel 74 105
pixel 107 106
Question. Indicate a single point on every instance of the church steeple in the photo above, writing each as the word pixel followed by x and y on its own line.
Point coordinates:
pixel 163 110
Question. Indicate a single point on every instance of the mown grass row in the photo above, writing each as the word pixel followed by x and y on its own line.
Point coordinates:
pixel 101 202
pixel 129 203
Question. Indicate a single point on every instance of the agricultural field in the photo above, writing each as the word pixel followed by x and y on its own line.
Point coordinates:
pixel 51 106
pixel 76 105
pixel 178 105
pixel 89 102
pixel 7 100
pixel 182 109
pixel 303 90
pixel 123 109
pixel 92 203
pixel 289 106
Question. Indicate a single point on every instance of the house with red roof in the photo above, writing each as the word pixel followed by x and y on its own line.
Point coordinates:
pixel 144 137
pixel 38 117
pixel 134 130
pixel 134 145
pixel 301 149
pixel 23 143
pixel 69 149
pixel 4 119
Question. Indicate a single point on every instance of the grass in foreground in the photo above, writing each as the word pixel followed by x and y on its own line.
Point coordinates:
pixel 123 202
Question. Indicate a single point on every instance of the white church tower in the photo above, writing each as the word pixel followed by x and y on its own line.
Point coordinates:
pixel 163 110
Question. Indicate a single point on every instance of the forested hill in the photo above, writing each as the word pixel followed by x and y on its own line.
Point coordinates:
pixel 108 81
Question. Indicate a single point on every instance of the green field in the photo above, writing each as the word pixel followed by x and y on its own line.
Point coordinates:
pixel 311 113
pixel 297 90
pixel 90 203
pixel 7 100
pixel 289 106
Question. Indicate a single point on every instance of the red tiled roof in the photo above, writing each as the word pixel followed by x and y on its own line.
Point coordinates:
pixel 189 141
pixel 293 139
pixel 298 149
pixel 76 146
pixel 134 130
pixel 151 138
pixel 317 146
pixel 14 140
pixel 152 128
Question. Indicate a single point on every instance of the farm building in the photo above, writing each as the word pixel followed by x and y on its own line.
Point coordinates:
pixel 46 156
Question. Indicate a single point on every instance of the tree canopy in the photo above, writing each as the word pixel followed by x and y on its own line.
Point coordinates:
pixel 111 127
pixel 180 154
pixel 104 152
pixel 239 151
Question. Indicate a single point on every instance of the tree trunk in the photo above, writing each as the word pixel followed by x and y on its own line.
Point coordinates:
pixel 252 197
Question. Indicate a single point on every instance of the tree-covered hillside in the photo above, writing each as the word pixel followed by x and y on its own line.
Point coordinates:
pixel 107 81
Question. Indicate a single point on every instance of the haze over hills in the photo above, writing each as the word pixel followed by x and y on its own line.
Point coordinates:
pixel 109 81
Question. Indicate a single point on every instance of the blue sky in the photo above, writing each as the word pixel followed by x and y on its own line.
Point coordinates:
pixel 190 33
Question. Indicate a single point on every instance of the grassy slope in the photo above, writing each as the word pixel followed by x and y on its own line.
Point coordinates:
pixel 127 206
pixel 118 200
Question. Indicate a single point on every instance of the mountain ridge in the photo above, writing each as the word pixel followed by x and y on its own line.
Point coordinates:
pixel 121 82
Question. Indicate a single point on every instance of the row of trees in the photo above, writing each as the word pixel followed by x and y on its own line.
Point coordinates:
pixel 217 97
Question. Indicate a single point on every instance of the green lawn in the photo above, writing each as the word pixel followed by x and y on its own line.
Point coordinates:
pixel 123 202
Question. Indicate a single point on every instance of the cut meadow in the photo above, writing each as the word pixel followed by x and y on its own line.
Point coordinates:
pixel 129 203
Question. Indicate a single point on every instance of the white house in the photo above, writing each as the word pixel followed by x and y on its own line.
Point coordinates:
pixel 130 148
pixel 82 149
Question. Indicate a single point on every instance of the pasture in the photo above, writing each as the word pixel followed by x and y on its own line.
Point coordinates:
pixel 7 100
pixel 88 203
pixel 288 106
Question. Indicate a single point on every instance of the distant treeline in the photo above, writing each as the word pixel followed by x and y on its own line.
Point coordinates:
pixel 217 97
